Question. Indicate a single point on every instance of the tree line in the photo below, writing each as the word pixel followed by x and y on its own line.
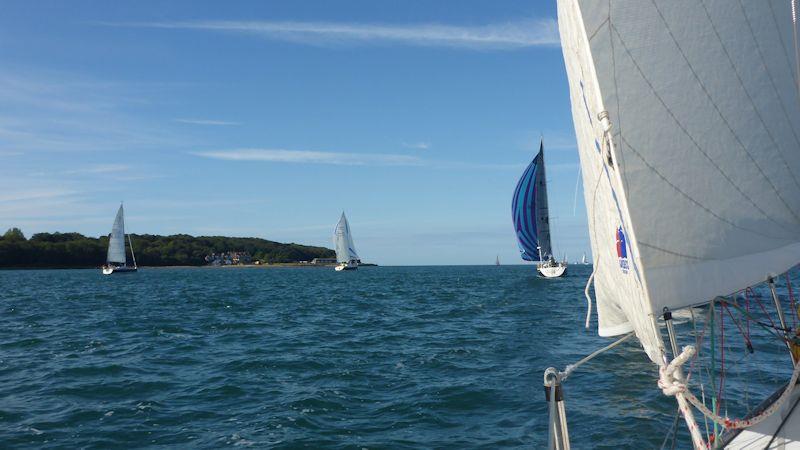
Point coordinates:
pixel 73 250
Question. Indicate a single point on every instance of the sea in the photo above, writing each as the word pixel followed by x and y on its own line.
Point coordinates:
pixel 378 358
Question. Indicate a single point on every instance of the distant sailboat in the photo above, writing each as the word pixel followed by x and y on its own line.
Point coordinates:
pixel 346 254
pixel 116 260
pixel 497 260
pixel 583 259
pixel 531 219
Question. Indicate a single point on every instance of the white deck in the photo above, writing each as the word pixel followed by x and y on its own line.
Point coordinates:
pixel 785 422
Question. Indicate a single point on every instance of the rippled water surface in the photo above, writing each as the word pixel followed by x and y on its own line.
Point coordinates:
pixel 384 357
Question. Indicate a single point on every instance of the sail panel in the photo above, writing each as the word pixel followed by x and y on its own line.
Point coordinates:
pixel 704 145
pixel 343 242
pixel 529 211
pixel 116 240
pixel 620 294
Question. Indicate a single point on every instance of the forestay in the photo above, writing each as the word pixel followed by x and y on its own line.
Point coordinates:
pixel 116 240
pixel 529 211
pixel 693 192
pixel 343 242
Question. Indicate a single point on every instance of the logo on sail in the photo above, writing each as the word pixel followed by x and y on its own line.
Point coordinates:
pixel 622 251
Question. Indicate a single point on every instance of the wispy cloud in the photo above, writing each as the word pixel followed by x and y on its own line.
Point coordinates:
pixel 509 35
pixel 219 123
pixel 312 157
pixel 417 145
pixel 99 169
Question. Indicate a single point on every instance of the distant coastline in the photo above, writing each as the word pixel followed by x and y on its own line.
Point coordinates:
pixel 76 251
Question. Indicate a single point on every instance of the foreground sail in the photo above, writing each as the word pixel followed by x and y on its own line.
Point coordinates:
pixel 346 255
pixel 688 127
pixel 116 260
pixel 531 218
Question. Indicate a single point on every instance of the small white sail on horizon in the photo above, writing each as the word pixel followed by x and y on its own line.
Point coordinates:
pixel 346 254
pixel 116 259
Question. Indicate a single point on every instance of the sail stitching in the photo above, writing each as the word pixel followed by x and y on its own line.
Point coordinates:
pixel 769 74
pixel 693 200
pixel 686 132
pixel 750 97
pixel 719 112
pixel 792 73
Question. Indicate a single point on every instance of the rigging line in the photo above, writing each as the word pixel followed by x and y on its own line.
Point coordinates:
pixel 691 199
pixel 795 311
pixel 686 132
pixel 722 116
pixel 741 330
pixel 766 69
pixel 750 97
pixel 721 386
pixel 572 367
pixel 575 196
pixel 618 118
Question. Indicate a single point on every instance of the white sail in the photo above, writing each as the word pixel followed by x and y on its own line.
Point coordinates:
pixel 116 240
pixel 694 191
pixel 343 242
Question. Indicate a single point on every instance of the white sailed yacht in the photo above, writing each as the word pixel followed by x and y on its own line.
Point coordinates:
pixel 346 255
pixel 116 260
pixel 688 126
pixel 532 221
pixel 583 260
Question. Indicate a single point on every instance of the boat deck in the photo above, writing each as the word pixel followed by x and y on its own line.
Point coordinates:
pixel 779 431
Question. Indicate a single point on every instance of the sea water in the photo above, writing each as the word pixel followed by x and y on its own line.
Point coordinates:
pixel 382 357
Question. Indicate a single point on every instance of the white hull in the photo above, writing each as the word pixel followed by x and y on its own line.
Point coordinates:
pixel 552 271
pixel 108 270
pixel 347 266
pixel 779 431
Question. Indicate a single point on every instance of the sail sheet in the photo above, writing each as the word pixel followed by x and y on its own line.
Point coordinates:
pixel 529 211
pixel 688 125
pixel 343 242
pixel 116 240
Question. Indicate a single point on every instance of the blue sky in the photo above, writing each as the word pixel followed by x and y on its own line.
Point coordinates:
pixel 269 118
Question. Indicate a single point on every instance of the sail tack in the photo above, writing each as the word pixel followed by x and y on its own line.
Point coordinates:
pixel 529 211
pixel 116 240
pixel 343 242
pixel 688 129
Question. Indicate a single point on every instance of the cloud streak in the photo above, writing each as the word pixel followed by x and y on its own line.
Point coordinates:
pixel 218 123
pixel 312 157
pixel 417 145
pixel 509 35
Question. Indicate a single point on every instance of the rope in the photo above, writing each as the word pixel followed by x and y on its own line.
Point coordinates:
pixel 571 368
pixel 671 386
pixel 589 298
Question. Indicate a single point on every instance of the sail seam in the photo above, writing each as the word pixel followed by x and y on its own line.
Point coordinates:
pixel 693 200
pixel 750 97
pixel 769 74
pixel 719 112
pixel 792 74
pixel 686 132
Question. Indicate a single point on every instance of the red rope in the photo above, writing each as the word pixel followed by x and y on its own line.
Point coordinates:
pixel 735 322
pixel 795 312
pixel 758 299
pixel 747 316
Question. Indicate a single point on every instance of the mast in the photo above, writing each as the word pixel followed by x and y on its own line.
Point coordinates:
pixel 132 254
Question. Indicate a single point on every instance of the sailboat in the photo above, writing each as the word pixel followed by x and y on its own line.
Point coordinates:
pixel 531 220
pixel 583 260
pixel 688 127
pixel 346 255
pixel 116 259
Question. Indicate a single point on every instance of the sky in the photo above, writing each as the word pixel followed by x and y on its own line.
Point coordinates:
pixel 268 119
